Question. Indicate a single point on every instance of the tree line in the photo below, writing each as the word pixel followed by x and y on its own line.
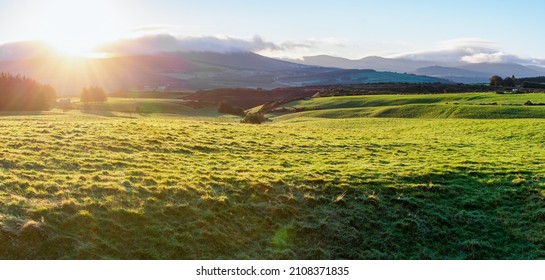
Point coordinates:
pixel 19 93
pixel 536 82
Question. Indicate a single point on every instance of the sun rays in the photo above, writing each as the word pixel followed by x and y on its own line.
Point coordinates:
pixel 75 28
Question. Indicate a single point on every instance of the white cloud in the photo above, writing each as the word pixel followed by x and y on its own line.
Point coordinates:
pixel 167 43
pixel 468 50
pixel 309 47
pixel 495 57
pixel 152 29
pixel 468 43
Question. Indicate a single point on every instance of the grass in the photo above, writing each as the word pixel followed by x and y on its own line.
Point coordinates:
pixel 86 186
pixel 91 187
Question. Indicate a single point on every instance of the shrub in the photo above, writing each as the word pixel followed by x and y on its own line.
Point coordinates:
pixel 254 118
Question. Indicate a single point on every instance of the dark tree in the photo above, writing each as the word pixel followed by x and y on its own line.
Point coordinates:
pixel 509 82
pixel 496 81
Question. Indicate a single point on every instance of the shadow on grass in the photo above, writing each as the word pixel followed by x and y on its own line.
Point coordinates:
pixel 436 216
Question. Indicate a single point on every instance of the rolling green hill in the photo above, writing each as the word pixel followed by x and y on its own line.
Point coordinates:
pixel 466 105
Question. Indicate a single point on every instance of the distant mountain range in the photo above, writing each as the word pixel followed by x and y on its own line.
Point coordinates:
pixel 209 70
pixel 190 71
pixel 454 71
pixel 371 62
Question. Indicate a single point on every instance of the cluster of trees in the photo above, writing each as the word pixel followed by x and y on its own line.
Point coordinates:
pixel 19 93
pixel 506 82
pixel 93 95
pixel 530 83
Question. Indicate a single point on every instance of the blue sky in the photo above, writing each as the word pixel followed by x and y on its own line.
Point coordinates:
pixel 351 29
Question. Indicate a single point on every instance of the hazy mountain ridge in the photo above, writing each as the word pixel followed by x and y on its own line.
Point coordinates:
pixel 190 71
pixel 370 62
pixel 451 70
pixel 503 69
pixel 447 71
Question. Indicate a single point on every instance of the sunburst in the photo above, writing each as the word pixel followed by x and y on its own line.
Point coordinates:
pixel 76 27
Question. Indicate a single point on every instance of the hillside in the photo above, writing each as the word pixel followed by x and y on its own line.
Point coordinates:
pixel 437 106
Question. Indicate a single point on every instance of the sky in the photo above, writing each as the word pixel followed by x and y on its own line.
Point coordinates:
pixel 484 30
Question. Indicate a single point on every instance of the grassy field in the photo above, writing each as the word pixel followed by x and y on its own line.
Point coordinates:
pixel 464 105
pixel 153 186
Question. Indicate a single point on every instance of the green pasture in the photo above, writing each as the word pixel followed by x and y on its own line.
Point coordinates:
pixel 366 182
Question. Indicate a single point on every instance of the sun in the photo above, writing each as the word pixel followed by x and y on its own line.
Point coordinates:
pixel 76 27
pixel 70 47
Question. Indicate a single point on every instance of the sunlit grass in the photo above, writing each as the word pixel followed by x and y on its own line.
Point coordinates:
pixel 83 186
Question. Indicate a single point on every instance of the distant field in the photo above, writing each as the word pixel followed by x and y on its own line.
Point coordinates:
pixel 152 186
pixel 462 105
pixel 142 107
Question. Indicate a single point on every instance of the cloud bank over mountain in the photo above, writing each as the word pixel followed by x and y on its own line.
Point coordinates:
pixel 158 43
pixel 468 50
pixel 25 50
pixel 152 40
pixel 153 44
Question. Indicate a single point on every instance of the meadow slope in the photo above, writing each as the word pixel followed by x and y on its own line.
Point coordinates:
pixel 79 186
pixel 430 106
